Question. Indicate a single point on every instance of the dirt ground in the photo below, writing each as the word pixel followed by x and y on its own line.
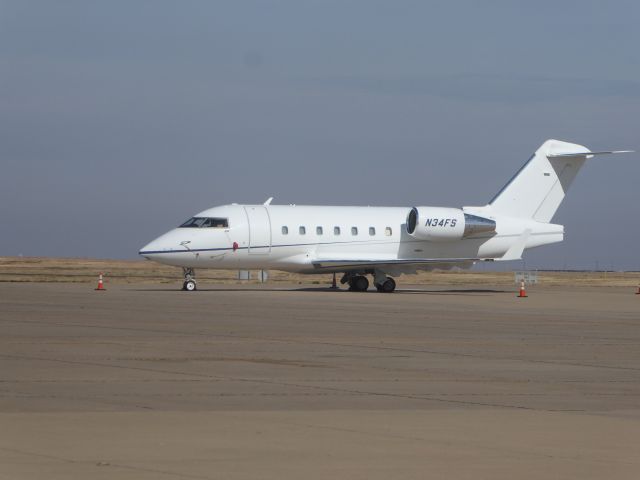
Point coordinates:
pixel 79 270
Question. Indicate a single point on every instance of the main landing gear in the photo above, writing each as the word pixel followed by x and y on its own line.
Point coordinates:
pixel 388 286
pixel 360 283
pixel 189 279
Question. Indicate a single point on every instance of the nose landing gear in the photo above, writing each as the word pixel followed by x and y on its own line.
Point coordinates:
pixel 189 284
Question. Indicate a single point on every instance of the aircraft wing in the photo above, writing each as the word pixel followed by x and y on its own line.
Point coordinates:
pixel 419 263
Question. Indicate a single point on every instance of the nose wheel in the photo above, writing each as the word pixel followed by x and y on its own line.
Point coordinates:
pixel 189 284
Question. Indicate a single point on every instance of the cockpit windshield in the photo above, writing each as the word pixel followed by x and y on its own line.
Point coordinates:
pixel 206 222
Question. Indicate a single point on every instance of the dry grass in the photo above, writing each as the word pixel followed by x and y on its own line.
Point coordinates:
pixel 85 270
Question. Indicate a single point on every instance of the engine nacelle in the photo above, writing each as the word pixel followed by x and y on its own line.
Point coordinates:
pixel 439 224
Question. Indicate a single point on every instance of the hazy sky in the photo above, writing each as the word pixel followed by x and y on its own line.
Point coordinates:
pixel 120 119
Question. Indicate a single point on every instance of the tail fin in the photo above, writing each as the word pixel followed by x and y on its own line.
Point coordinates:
pixel 538 188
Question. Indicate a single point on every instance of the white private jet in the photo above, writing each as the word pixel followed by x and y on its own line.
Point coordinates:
pixel 379 241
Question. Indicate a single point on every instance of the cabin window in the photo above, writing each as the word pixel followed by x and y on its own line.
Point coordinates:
pixel 354 231
pixel 387 231
pixel 302 230
pixel 318 230
pixel 372 231
pixel 285 230
pixel 336 230
pixel 206 222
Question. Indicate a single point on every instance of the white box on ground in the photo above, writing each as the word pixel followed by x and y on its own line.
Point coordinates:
pixel 529 278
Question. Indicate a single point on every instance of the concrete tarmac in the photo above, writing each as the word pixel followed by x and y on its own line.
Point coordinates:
pixel 146 382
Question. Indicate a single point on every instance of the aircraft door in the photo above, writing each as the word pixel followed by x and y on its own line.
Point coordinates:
pixel 259 230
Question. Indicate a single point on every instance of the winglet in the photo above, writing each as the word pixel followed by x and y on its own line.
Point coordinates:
pixel 268 202
pixel 515 250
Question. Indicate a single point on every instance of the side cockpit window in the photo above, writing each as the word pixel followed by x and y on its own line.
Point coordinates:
pixel 206 222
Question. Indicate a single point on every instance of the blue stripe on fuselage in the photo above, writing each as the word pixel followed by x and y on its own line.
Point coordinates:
pixel 194 250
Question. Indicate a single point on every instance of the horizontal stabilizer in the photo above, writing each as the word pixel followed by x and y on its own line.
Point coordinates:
pixel 586 154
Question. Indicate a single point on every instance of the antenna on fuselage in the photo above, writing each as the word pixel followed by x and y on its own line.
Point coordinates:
pixel 268 202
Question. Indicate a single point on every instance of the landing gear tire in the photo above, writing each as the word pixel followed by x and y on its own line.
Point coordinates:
pixel 359 283
pixel 388 286
pixel 189 284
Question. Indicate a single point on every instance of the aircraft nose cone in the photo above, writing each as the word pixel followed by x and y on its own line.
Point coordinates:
pixel 164 245
pixel 150 248
pixel 159 245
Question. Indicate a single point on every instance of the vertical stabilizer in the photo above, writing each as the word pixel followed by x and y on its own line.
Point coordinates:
pixel 539 187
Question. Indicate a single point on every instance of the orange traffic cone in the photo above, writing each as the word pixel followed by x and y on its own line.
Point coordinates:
pixel 523 292
pixel 100 284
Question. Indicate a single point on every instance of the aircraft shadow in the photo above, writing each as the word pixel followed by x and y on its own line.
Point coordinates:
pixel 458 291
pixel 470 291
